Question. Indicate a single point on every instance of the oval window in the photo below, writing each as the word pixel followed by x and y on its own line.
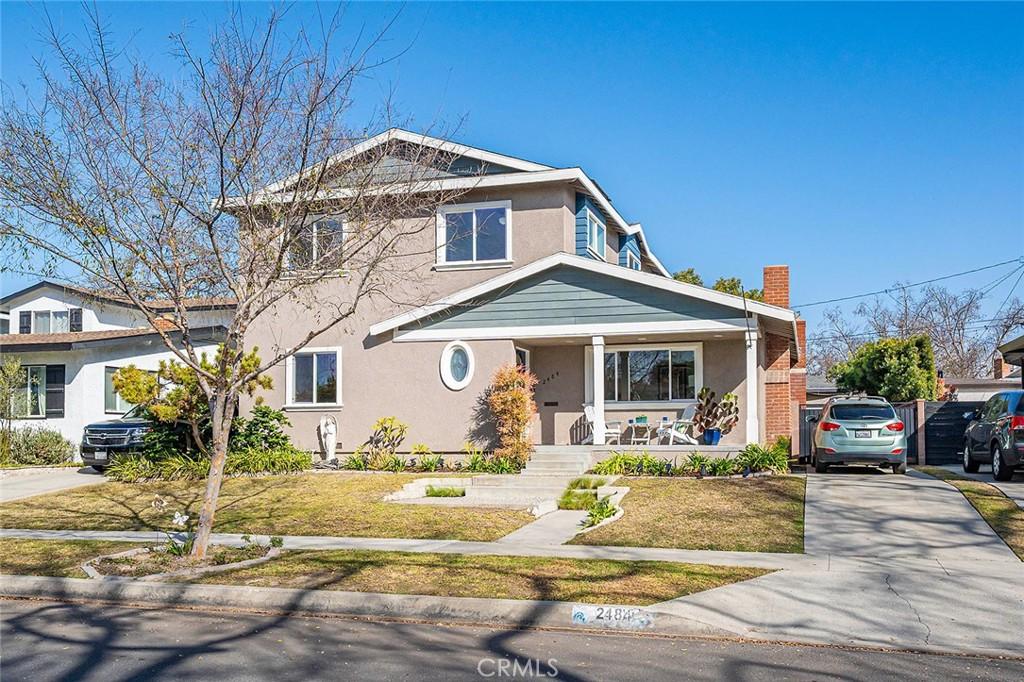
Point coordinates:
pixel 456 365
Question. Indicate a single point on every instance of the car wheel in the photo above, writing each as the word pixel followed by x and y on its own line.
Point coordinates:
pixel 970 466
pixel 99 468
pixel 820 467
pixel 1000 471
pixel 900 468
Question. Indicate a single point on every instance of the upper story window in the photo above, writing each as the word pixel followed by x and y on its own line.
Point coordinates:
pixel 316 246
pixel 632 262
pixel 469 234
pixel 595 235
pixel 50 321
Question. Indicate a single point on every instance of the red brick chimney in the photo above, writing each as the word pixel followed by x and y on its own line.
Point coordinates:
pixel 776 285
pixel 1000 369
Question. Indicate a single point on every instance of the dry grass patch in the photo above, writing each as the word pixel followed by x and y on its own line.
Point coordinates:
pixel 59 558
pixel 307 504
pixel 498 577
pixel 999 511
pixel 764 514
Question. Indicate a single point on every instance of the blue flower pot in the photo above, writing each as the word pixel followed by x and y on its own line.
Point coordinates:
pixel 712 436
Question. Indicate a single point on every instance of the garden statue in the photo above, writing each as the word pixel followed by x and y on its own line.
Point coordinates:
pixel 327 436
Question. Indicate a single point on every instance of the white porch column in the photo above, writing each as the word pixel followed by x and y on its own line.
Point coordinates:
pixel 752 423
pixel 597 388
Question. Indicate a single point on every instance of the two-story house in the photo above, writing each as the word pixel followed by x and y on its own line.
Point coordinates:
pixel 71 341
pixel 532 264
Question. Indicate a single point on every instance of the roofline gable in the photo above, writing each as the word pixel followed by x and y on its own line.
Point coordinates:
pixel 548 262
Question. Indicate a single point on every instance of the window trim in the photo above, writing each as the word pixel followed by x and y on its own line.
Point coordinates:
pixel 632 258
pixel 698 373
pixel 289 379
pixel 592 219
pixel 440 236
pixel 312 224
pixel 446 365
pixel 42 403
pixel 526 352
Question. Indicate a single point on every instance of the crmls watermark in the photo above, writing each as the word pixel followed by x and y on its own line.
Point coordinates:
pixel 515 667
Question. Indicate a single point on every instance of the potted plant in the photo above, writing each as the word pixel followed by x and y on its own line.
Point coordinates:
pixel 715 418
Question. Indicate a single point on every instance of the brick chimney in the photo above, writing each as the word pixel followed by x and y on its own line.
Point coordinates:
pixel 1000 368
pixel 776 285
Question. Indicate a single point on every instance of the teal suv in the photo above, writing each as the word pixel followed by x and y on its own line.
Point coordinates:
pixel 859 430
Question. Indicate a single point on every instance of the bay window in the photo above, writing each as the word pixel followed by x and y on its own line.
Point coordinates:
pixel 474 233
pixel 651 373
pixel 313 377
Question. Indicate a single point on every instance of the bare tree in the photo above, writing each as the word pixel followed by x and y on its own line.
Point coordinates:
pixel 962 336
pixel 208 184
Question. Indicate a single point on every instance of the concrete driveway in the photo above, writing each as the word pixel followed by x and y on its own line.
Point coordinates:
pixel 1014 489
pixel 16 484
pixel 859 513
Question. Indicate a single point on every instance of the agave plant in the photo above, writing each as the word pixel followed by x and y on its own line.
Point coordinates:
pixel 713 414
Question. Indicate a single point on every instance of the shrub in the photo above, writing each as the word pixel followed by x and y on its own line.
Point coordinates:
pixel 281 460
pixel 760 458
pixel 262 431
pixel 390 462
pixel 577 500
pixel 631 463
pixel 133 467
pixel 388 434
pixel 138 467
pixel 694 463
pixel 441 491
pixel 783 444
pixel 502 465
pixel 475 459
pixel 510 400
pixel 431 462
pixel 355 461
pixel 601 510
pixel 165 439
pixel 183 467
pixel 34 445
pixel 586 483
pixel 721 466
pixel 896 369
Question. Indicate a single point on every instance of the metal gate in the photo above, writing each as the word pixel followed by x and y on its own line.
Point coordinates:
pixel 907 412
pixel 944 428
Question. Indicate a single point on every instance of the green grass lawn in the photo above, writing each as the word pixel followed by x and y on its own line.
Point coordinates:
pixel 60 558
pixel 306 504
pixel 499 577
pixel 764 514
pixel 999 511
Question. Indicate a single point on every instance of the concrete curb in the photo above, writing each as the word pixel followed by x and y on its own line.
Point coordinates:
pixel 451 610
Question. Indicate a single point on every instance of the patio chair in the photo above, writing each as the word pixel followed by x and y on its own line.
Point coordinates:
pixel 612 429
pixel 678 429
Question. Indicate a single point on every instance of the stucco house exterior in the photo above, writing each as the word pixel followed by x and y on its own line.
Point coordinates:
pixel 71 341
pixel 532 265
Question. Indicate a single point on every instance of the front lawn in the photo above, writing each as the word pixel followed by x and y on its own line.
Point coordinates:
pixel 307 504
pixel 498 577
pixel 764 514
pixel 998 510
pixel 62 558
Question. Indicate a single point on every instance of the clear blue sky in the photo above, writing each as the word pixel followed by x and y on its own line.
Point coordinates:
pixel 860 144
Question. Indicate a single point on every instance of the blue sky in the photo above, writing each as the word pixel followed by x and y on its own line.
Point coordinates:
pixel 860 144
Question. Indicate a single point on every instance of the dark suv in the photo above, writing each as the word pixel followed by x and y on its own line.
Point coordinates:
pixel 996 435
pixel 104 441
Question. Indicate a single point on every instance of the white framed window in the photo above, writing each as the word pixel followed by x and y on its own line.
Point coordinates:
pixel 522 358
pixel 29 400
pixel 595 235
pixel 457 365
pixel 316 246
pixel 632 262
pixel 60 322
pixel 113 403
pixel 662 373
pixel 474 234
pixel 41 322
pixel 313 378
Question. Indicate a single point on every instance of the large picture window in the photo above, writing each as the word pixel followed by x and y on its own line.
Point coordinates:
pixel 314 378
pixel 317 246
pixel 652 374
pixel 474 233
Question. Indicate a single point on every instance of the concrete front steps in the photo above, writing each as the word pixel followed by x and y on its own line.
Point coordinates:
pixel 558 460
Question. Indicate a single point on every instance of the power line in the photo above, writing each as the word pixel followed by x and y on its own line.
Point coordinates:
pixel 1012 289
pixel 975 325
pixel 1019 259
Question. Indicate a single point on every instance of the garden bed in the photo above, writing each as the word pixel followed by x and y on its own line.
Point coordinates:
pixel 158 562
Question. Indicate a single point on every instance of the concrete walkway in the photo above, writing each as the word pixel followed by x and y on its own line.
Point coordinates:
pixel 554 528
pixel 16 484
pixel 886 515
pixel 1014 489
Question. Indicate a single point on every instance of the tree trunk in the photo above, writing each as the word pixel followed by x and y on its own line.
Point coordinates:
pixel 222 412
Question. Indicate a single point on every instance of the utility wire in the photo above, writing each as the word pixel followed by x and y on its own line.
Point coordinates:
pixel 1019 259
pixel 977 324
pixel 1012 289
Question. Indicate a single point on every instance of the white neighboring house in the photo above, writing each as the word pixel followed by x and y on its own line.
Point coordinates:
pixel 72 340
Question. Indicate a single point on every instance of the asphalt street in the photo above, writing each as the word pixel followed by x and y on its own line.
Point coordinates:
pixel 43 641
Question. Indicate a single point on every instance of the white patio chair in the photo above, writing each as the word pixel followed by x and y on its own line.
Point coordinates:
pixel 612 429
pixel 678 429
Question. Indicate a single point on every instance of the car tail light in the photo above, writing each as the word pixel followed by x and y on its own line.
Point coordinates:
pixel 897 451
pixel 1017 423
pixel 829 451
pixel 895 426
pixel 829 426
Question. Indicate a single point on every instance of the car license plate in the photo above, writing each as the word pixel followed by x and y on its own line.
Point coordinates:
pixel 862 434
pixel 99 454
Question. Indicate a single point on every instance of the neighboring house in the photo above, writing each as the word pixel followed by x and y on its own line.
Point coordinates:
pixel 72 340
pixel 548 274
pixel 1012 353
